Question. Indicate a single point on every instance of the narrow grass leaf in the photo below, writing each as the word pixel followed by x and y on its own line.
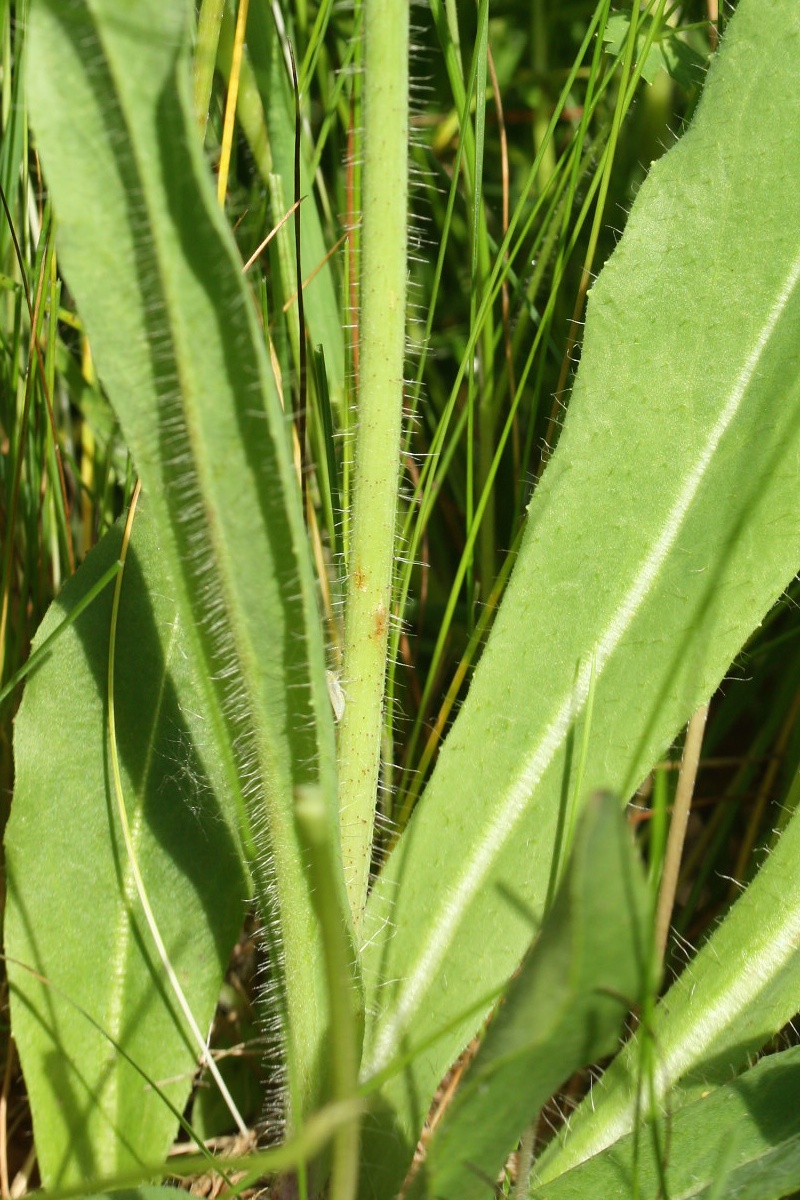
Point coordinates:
pixel 276 120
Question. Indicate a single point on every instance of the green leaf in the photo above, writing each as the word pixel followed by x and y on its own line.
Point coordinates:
pixel 140 1193
pixel 662 532
pixel 73 916
pixel 740 1140
pixel 158 283
pixel 668 51
pixel 563 1011
pixel 615 36
pixel 739 991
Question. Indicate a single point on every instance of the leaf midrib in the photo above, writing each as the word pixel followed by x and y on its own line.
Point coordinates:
pixel 486 848
pixel 129 900
pixel 234 629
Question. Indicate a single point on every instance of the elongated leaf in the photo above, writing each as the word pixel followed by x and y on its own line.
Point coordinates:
pixel 663 530
pixel 73 915
pixel 740 1140
pixel 154 270
pixel 270 106
pixel 141 1193
pixel 563 1011
pixel 739 991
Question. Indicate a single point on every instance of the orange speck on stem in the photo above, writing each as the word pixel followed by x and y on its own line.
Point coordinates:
pixel 379 622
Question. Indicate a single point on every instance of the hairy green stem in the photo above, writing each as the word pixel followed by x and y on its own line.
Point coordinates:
pixel 380 403
pixel 344 993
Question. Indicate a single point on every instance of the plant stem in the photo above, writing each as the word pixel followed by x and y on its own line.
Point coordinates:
pixel 677 829
pixel 380 405
pixel 343 987
pixel 230 103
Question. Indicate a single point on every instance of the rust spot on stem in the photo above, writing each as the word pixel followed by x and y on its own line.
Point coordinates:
pixel 379 622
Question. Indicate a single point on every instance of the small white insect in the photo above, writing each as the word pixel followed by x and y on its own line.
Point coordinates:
pixel 336 694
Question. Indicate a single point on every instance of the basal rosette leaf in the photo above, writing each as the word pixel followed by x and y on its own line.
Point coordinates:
pixel 154 271
pixel 662 532
pixel 87 986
